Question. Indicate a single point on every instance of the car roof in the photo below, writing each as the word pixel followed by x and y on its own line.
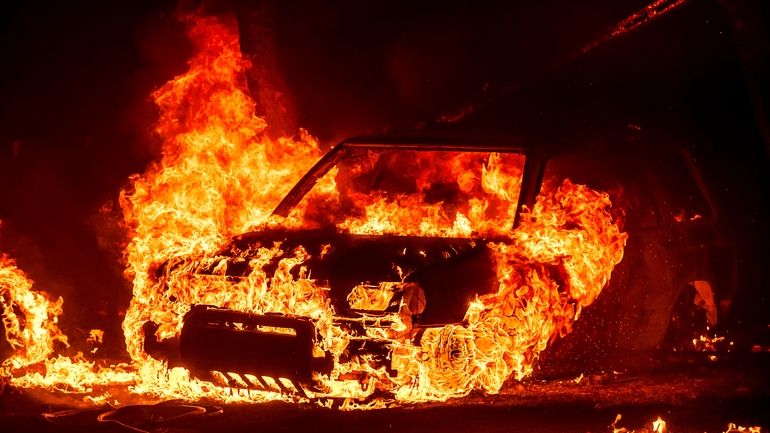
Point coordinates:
pixel 432 141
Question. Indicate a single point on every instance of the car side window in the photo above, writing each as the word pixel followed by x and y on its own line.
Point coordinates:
pixel 682 196
pixel 623 179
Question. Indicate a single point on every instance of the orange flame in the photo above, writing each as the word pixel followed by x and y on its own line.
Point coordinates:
pixel 220 175
pixel 660 426
pixel 30 319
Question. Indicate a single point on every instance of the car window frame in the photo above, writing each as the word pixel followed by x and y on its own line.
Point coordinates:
pixel 532 176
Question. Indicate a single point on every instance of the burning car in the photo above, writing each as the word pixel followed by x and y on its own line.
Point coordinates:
pixel 467 273
pixel 389 270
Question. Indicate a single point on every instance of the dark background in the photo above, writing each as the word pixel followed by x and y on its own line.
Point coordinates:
pixel 76 118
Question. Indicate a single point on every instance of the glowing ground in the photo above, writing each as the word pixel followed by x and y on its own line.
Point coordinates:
pixel 691 395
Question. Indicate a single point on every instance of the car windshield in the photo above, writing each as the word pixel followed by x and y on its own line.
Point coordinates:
pixel 415 192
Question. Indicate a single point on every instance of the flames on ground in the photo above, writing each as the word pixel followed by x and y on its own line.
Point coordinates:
pixel 659 425
pixel 221 175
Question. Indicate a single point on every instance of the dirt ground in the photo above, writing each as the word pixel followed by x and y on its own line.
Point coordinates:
pixel 690 397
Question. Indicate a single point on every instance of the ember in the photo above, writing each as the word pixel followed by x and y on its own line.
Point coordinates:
pixel 660 426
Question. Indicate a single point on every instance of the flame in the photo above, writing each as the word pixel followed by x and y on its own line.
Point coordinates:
pixel 95 336
pixel 659 426
pixel 733 428
pixel 220 175
pixel 30 318
pixel 707 343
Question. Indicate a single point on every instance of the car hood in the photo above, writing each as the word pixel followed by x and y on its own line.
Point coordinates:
pixel 451 271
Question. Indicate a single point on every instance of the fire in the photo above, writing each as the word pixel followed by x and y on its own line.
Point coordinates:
pixel 220 175
pixel 707 343
pixel 733 428
pixel 30 318
pixel 660 426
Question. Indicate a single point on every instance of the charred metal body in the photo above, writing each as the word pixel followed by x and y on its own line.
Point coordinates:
pixel 236 343
pixel 245 348
pixel 449 272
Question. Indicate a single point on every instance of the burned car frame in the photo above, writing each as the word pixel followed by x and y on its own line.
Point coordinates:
pixel 389 290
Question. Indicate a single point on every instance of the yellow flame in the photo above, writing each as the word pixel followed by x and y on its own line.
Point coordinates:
pixel 220 175
pixel 30 318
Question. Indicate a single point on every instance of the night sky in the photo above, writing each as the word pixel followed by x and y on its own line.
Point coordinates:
pixel 76 118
